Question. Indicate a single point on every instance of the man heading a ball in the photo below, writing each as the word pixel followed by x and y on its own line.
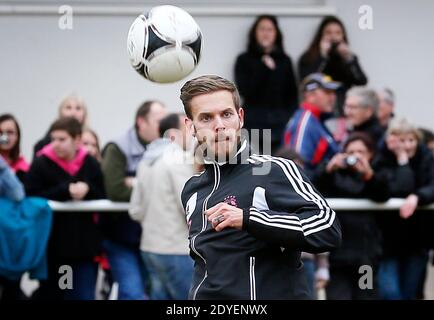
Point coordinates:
pixel 247 229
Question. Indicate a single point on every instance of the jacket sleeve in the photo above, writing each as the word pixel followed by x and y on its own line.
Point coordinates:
pixel 113 168
pixel 355 74
pixel 425 193
pixel 291 213
pixel 138 199
pixel 10 185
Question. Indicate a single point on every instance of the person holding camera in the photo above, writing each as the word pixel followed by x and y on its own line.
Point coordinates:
pixel 330 53
pixel 351 174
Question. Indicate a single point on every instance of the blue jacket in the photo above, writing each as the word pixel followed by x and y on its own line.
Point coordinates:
pixel 24 231
pixel 308 136
pixel 10 185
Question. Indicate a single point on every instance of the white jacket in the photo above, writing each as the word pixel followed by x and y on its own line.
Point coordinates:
pixel 156 198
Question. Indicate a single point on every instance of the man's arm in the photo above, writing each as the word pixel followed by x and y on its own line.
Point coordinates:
pixel 113 167
pixel 289 212
pixel 297 216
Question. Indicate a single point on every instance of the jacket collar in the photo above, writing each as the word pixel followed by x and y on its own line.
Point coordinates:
pixel 241 154
pixel 71 166
pixel 312 108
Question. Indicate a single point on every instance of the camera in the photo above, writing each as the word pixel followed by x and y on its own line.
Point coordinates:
pixel 351 161
pixel 334 46
pixel 4 139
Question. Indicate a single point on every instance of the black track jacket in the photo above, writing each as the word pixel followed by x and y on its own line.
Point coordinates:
pixel 283 215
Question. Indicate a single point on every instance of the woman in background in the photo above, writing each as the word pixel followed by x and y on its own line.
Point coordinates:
pixel 266 81
pixel 10 139
pixel 330 53
pixel 407 233
pixel 71 106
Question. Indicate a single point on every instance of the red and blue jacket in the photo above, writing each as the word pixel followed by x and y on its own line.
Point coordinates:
pixel 309 137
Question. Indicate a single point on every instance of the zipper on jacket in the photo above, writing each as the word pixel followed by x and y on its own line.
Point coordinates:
pixel 205 223
pixel 252 279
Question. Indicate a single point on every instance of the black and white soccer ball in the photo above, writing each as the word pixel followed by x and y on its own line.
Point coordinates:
pixel 164 45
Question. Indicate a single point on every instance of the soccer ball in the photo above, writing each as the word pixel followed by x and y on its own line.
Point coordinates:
pixel 164 45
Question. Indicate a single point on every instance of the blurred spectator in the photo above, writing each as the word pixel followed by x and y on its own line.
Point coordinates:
pixel 10 139
pixel 122 235
pixel 63 171
pixel 90 141
pixel 71 106
pixel 266 80
pixel 351 175
pixel 386 108
pixel 361 106
pixel 156 204
pixel 330 53
pixel 306 132
pixel 428 138
pixel 410 168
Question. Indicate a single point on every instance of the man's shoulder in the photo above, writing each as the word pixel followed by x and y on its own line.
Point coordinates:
pixel 192 185
pixel 275 165
pixel 111 149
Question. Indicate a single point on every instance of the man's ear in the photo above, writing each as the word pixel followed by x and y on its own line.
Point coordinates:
pixel 190 126
pixel 241 116
pixel 140 121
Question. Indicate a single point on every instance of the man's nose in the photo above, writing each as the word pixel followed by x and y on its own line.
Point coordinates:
pixel 218 124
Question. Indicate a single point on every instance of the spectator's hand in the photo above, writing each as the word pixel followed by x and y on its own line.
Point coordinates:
pixel 130 181
pixel 223 215
pixel 324 48
pixel 363 166
pixel 409 206
pixel 78 190
pixel 269 61
pixel 344 51
pixel 395 145
pixel 337 162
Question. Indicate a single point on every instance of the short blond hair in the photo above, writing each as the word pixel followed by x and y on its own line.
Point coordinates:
pixel 403 126
pixel 207 84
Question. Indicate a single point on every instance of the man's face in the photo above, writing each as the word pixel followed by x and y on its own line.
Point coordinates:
pixel 356 113
pixel 148 128
pixel 323 99
pixel 216 123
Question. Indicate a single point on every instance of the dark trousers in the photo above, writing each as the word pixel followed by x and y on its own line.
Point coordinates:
pixel 344 284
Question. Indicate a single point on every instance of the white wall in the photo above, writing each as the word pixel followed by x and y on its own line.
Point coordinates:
pixel 41 63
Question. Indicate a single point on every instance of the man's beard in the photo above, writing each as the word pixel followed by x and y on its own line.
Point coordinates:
pixel 203 150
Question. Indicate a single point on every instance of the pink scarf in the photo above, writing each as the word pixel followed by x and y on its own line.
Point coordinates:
pixel 71 166
pixel 19 165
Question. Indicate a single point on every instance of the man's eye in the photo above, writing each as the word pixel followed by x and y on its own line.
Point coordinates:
pixel 206 118
pixel 227 114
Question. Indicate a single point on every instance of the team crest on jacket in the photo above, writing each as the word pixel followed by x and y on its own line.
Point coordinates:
pixel 231 200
